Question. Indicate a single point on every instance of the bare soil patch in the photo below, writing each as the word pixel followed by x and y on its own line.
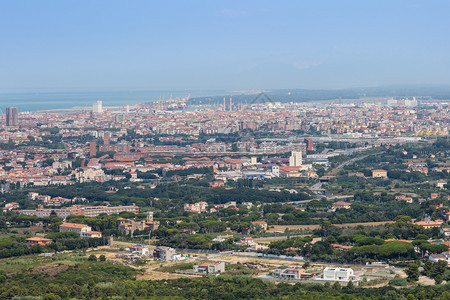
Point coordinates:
pixel 50 271
pixel 156 275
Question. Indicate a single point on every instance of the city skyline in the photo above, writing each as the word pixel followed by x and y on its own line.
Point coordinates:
pixel 224 150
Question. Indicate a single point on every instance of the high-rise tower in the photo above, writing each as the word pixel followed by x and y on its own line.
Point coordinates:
pixel 296 159
pixel 12 116
pixel 97 107
pixel 92 149
pixel 106 136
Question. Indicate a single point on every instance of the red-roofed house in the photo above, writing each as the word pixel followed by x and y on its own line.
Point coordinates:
pixel 428 224
pixel 10 206
pixel 38 241
pixel 441 183
pixel 341 247
pixel 84 230
pixel 434 195
pixel 217 183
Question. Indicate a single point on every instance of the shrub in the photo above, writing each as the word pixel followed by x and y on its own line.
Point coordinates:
pixel 398 282
pixel 92 257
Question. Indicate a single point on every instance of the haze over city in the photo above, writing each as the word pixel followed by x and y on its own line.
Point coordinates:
pixel 176 45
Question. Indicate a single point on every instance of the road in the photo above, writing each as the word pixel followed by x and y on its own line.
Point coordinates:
pixel 335 170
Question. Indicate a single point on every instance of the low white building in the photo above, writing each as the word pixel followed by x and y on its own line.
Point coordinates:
pixel 289 273
pixel 445 231
pixel 142 250
pixel 441 183
pixel 338 274
pixel 222 238
pixel 445 256
pixel 210 268
pixel 92 234
pixel 245 241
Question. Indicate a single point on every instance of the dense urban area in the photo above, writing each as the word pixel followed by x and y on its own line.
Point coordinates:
pixel 220 198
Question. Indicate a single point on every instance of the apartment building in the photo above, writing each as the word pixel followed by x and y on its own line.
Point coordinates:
pixel 79 210
pixel 85 231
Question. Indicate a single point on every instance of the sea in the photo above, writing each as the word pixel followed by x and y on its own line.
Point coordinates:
pixel 48 100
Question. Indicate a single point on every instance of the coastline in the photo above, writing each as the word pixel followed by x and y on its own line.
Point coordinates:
pixel 69 101
pixel 85 109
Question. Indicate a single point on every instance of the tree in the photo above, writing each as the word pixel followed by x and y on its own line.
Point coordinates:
pixel 438 279
pixel 51 296
pixel 413 272
pixel 350 286
pixel 336 286
pixel 326 227
pixel 438 269
pixel 92 257
pixel 403 219
pixel 102 258
pixel 428 268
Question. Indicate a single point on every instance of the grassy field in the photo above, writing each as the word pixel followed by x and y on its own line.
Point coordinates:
pixel 18 264
pixel 33 230
pixel 282 228
pixel 65 269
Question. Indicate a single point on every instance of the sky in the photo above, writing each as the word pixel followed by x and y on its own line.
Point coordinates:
pixel 236 45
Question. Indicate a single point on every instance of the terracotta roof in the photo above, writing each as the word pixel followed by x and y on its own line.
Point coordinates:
pixel 391 240
pixel 204 265
pixel 428 223
pixel 73 225
pixel 38 239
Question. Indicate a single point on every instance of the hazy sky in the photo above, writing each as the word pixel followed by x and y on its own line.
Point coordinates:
pixel 64 44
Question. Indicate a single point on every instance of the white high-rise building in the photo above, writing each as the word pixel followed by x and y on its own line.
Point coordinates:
pixel 276 171
pixel 296 159
pixel 97 107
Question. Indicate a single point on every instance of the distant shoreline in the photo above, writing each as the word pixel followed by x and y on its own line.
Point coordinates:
pixel 82 101
pixel 86 109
